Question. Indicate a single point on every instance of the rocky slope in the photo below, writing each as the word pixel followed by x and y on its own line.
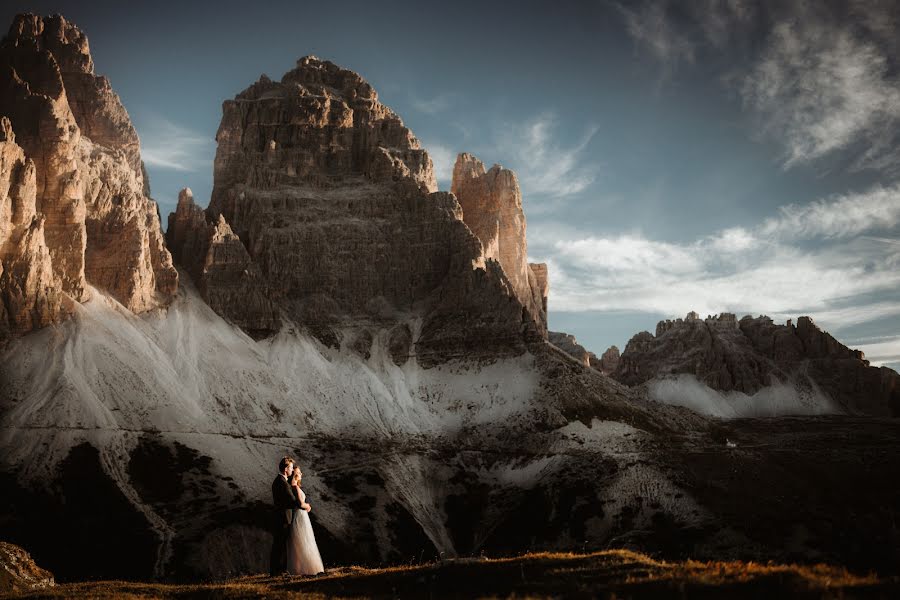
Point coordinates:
pixel 753 357
pixel 151 441
pixel 74 208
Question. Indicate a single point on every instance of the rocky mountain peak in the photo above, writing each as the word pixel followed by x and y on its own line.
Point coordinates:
pixel 314 73
pixel 330 128
pixel 62 40
pixel 99 226
pixel 331 210
pixel 492 208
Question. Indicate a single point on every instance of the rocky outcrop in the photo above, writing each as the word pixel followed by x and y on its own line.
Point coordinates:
pixel 19 573
pixel 750 354
pixel 99 226
pixel 492 208
pixel 568 344
pixel 609 361
pixel 334 201
pixel 188 234
pixel 229 281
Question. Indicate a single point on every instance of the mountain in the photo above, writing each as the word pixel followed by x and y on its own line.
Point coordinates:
pixel 76 206
pixel 336 205
pixel 333 305
pixel 753 367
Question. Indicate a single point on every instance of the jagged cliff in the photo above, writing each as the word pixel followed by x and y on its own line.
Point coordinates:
pixel 74 209
pixel 754 353
pixel 492 208
pixel 336 204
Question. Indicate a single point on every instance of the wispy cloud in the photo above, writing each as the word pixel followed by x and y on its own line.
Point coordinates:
pixel 884 352
pixel 820 78
pixel 821 87
pixel 167 145
pixel 433 105
pixel 547 170
pixel 654 31
pixel 675 33
pixel 843 216
pixel 782 267
pixel 443 158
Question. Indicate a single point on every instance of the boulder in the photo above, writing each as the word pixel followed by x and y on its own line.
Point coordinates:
pixel 19 573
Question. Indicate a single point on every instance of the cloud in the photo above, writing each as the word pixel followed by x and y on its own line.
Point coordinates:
pixel 821 86
pixel 883 352
pixel 673 33
pixel 432 106
pixel 653 30
pixel 847 215
pixel 443 158
pixel 546 169
pixel 777 268
pixel 819 78
pixel 167 145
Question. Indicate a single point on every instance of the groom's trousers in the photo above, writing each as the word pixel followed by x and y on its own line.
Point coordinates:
pixel 278 556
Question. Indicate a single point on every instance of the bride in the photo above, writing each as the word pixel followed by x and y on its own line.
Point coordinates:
pixel 303 554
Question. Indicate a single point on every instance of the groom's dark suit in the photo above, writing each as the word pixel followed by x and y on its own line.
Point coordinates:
pixel 285 502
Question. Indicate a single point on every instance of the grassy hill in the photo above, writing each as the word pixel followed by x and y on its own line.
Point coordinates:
pixel 608 574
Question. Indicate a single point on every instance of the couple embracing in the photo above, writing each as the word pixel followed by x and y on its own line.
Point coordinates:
pixel 294 549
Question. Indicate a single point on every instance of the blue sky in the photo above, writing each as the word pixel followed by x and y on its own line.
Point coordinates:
pixel 708 155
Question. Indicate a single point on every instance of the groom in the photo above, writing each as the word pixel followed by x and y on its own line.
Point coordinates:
pixel 285 502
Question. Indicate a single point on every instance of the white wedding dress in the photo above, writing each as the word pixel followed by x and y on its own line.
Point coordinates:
pixel 302 553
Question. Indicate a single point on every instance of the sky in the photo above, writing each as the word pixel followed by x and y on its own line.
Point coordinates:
pixel 708 155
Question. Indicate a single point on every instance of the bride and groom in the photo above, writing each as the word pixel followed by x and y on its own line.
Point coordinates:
pixel 294 549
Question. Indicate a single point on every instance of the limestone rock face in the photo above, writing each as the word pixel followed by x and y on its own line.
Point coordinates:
pixel 188 233
pixel 232 284
pixel 752 353
pixel 29 294
pixel 227 278
pixel 492 208
pixel 99 225
pixel 542 281
pixel 334 201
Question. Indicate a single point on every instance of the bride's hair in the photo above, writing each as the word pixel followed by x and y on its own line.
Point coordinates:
pixel 296 476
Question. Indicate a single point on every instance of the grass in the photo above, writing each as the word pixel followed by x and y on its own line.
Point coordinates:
pixel 613 574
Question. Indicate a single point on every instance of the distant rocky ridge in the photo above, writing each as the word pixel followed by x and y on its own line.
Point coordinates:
pixel 74 204
pixel 606 364
pixel 335 202
pixel 749 354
